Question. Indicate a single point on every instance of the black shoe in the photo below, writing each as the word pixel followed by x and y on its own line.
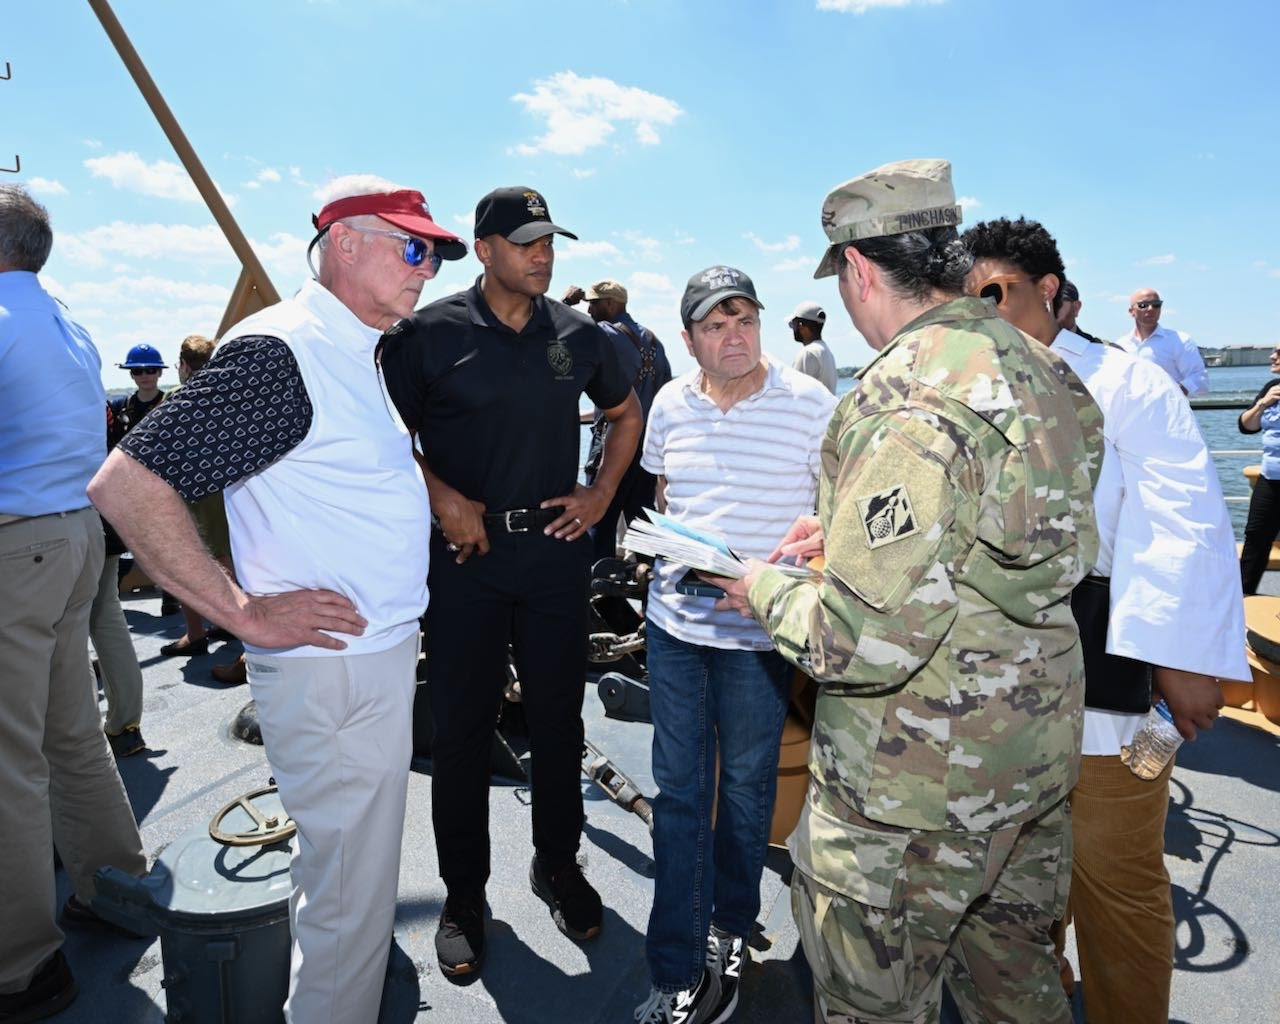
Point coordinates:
pixel 185 647
pixel 575 906
pixel 51 990
pixel 80 915
pixel 127 742
pixel 460 936
pixel 726 956
pixel 690 1006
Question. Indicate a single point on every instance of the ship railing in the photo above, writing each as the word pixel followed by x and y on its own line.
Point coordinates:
pixel 1237 453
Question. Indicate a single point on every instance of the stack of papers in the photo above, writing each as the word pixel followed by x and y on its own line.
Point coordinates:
pixel 664 537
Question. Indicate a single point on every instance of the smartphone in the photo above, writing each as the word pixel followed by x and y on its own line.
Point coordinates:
pixel 693 585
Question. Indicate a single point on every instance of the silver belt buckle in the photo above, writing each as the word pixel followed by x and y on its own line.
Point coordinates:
pixel 506 520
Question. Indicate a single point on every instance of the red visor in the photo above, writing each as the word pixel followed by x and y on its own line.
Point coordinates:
pixel 405 209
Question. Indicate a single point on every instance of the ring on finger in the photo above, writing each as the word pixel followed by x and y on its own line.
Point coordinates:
pixel 453 547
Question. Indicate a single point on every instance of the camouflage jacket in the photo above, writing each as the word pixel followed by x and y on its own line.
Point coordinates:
pixel 956 501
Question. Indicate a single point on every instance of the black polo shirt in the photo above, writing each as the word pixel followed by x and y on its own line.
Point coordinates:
pixel 496 412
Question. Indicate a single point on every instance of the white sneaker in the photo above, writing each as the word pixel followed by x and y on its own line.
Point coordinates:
pixel 690 1006
pixel 726 956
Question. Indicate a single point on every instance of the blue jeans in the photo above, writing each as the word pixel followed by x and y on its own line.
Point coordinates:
pixel 698 695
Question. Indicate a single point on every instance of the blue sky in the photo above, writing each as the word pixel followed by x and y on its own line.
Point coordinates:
pixel 667 135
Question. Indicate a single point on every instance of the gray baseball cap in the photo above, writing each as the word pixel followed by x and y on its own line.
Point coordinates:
pixel 909 195
pixel 708 288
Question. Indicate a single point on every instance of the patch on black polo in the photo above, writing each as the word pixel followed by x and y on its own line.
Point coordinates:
pixel 560 358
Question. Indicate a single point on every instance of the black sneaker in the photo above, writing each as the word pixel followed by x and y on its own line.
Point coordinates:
pixel 575 906
pixel 691 1006
pixel 127 742
pixel 726 956
pixel 51 990
pixel 460 936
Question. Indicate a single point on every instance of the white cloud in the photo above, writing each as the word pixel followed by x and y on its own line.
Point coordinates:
pixel 266 175
pixel 968 203
pixel 654 285
pixel 1158 261
pixel 46 187
pixel 284 257
pixel 153 289
pixel 91 143
pixel 162 179
pixel 144 241
pixel 466 220
pixel 571 250
pixel 862 6
pixel 1274 272
pixel 788 244
pixel 581 113
pixel 647 249
pixel 685 239
pixel 795 263
pixel 583 172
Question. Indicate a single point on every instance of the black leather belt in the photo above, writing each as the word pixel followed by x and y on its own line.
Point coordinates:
pixel 522 520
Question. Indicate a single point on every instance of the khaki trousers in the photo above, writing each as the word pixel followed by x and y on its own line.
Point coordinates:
pixel 1120 901
pixel 117 659
pixel 58 780
pixel 338 736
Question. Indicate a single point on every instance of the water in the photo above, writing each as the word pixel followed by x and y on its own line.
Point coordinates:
pixel 1220 432
pixel 1153 745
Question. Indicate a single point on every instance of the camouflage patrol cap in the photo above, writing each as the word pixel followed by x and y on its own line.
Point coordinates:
pixel 909 195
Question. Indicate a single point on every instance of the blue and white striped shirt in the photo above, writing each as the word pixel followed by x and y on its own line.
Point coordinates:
pixel 746 474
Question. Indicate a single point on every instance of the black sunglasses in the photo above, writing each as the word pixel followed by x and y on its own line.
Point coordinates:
pixel 139 371
pixel 1150 304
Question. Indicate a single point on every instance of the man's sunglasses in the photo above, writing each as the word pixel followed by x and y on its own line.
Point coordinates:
pixel 416 251
pixel 140 371
pixel 1150 303
pixel 997 286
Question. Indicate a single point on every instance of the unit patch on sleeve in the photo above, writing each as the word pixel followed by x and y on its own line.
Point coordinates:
pixel 887 516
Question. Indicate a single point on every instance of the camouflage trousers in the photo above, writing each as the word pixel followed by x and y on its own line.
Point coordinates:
pixel 885 914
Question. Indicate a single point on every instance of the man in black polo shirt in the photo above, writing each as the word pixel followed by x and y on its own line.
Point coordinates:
pixel 490 380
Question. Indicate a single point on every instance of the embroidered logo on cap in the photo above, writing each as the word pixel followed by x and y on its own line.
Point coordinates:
pixel 887 516
pixel 535 204
pixel 720 277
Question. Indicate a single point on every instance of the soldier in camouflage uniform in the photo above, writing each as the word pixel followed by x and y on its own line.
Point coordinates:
pixel 955 515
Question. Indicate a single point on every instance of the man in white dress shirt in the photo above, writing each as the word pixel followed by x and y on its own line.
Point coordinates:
pixel 1172 351
pixel 1174 611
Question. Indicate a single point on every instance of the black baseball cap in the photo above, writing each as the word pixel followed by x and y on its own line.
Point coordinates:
pixel 519 214
pixel 708 288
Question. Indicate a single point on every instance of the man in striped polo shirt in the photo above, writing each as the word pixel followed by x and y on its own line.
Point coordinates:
pixel 734 445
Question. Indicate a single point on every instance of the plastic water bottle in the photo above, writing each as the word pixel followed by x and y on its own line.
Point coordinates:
pixel 1154 744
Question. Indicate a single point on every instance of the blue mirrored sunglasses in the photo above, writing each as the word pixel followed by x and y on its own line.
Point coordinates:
pixel 416 251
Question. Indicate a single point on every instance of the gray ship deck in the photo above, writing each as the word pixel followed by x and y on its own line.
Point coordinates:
pixel 1223 852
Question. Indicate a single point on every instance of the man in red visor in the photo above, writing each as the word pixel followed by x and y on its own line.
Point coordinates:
pixel 328 512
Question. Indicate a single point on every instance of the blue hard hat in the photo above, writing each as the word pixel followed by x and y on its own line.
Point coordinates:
pixel 142 356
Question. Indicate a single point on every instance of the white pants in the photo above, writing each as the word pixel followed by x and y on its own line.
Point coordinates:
pixel 338 733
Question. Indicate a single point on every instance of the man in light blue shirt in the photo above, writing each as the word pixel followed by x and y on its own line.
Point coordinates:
pixel 57 775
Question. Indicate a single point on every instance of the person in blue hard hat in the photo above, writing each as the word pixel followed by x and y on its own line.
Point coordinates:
pixel 145 365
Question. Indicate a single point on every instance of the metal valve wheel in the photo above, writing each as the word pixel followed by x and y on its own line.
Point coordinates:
pixel 269 828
